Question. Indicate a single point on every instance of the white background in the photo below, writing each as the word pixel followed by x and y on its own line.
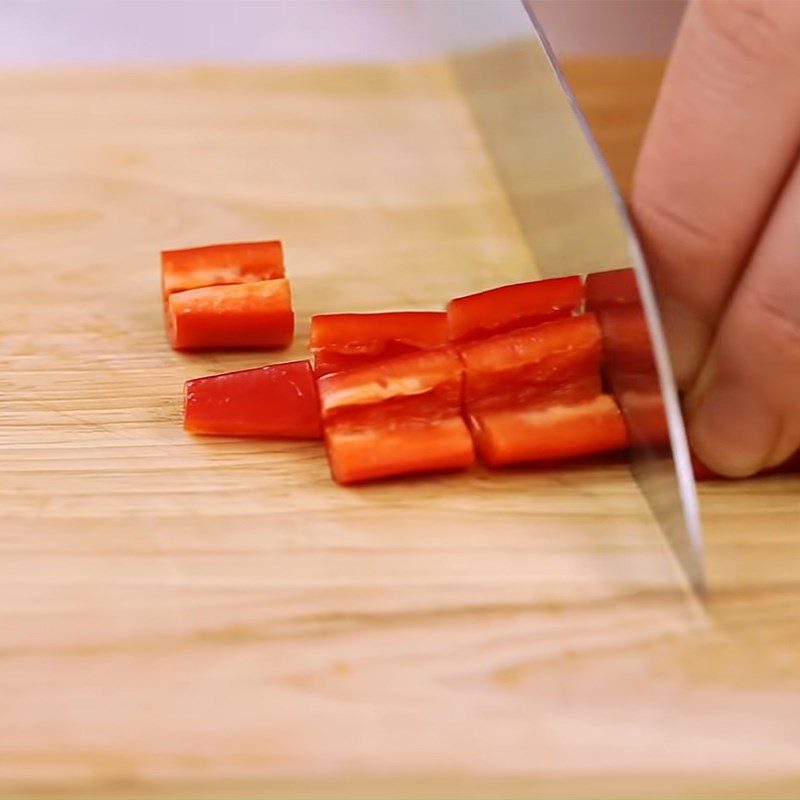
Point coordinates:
pixel 34 32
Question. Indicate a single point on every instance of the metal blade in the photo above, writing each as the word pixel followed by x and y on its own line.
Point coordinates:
pixel 574 220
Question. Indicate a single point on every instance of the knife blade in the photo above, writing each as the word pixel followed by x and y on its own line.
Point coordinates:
pixel 574 221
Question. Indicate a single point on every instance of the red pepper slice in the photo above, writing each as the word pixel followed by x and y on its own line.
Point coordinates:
pixel 344 341
pixel 626 340
pixel 244 315
pixel 278 401
pixel 506 308
pixel 536 395
pixel 611 289
pixel 645 415
pixel 357 456
pixel 549 432
pixel 395 417
pixel 507 370
pixel 217 264
pixel 631 372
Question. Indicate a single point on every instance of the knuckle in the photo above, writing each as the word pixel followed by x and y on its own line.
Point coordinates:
pixel 662 221
pixel 690 257
pixel 750 29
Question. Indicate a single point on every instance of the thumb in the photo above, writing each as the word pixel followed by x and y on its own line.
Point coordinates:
pixel 744 410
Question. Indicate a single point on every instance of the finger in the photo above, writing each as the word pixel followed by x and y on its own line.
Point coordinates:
pixel 721 140
pixel 745 410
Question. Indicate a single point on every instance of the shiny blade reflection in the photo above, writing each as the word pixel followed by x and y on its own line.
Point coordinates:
pixel 574 221
pixel 632 369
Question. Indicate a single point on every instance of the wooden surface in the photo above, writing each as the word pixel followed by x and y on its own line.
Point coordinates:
pixel 187 617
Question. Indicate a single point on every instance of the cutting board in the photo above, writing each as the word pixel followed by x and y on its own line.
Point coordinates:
pixel 214 617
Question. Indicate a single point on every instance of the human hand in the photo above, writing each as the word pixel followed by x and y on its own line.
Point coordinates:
pixel 716 197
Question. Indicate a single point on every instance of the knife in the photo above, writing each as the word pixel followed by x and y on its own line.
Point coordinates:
pixel 574 221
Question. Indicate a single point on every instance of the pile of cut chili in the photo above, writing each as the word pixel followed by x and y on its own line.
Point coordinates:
pixel 227 296
pixel 524 373
pixel 512 372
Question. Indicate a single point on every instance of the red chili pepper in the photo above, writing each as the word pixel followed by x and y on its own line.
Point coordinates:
pixel 395 417
pixel 610 289
pixel 645 414
pixel 217 264
pixel 277 401
pixel 244 315
pixel 626 340
pixel 549 432
pixel 631 372
pixel 536 395
pixel 506 308
pixel 344 341
pixel 508 369
pixel 227 296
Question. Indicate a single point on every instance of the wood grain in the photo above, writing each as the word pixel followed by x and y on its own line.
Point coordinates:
pixel 190 617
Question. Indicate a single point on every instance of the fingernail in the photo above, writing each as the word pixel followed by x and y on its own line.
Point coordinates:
pixel 732 431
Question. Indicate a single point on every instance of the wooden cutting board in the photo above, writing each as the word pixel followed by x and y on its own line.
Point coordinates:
pixel 213 617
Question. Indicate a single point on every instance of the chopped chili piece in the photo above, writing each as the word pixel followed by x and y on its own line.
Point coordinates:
pixel 536 394
pixel 217 264
pixel 343 341
pixel 244 315
pixel 278 401
pixel 506 308
pixel 395 417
